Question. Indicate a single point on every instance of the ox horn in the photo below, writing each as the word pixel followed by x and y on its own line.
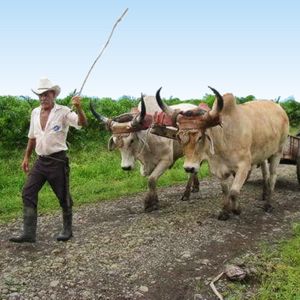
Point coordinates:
pixel 219 99
pixel 99 117
pixel 164 107
pixel 140 117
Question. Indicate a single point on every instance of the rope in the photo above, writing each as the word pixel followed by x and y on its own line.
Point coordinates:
pixel 145 143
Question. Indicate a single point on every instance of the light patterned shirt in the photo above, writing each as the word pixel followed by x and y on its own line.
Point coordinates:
pixel 53 138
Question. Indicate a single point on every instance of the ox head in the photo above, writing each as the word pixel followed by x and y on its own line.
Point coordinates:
pixel 192 129
pixel 124 130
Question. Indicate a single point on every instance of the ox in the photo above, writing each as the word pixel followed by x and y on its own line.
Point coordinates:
pixel 248 134
pixel 156 154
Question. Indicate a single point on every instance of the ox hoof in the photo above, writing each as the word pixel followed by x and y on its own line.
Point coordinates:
pixel 223 215
pixel 151 205
pixel 152 208
pixel 185 197
pixel 236 211
pixel 151 202
pixel 195 190
pixel 268 208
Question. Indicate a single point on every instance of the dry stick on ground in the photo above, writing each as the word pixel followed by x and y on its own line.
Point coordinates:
pixel 212 285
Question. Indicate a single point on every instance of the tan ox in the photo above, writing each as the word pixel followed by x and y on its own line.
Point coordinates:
pixel 248 134
pixel 130 135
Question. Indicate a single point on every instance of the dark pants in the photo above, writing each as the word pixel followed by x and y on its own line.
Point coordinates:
pixel 54 169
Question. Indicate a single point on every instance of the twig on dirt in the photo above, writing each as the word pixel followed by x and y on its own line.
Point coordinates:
pixel 212 286
pixel 113 29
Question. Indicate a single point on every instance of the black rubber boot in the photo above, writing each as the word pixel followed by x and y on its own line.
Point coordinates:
pixel 29 227
pixel 66 233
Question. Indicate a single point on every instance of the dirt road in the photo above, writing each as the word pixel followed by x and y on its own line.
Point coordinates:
pixel 120 252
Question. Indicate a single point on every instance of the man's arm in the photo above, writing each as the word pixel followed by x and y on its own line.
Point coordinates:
pixel 28 152
pixel 82 121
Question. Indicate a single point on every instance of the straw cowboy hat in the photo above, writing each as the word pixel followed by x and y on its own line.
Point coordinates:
pixel 46 85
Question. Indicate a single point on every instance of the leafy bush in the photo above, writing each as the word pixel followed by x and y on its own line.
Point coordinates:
pixel 14 120
pixel 292 108
pixel 15 116
pixel 245 99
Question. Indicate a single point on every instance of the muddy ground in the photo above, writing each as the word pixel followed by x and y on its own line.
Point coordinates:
pixel 120 252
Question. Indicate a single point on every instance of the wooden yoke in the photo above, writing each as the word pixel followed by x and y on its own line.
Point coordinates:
pixel 200 122
pixel 163 125
pixel 199 119
pixel 127 127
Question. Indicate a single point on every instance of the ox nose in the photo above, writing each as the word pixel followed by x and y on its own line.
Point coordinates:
pixel 127 168
pixel 190 169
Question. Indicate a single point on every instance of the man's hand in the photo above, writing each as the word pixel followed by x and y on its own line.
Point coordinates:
pixel 76 102
pixel 30 147
pixel 25 165
pixel 82 121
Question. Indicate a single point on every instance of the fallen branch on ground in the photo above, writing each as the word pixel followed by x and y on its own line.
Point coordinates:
pixel 212 285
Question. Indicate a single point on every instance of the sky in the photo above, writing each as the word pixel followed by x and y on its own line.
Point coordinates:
pixel 247 47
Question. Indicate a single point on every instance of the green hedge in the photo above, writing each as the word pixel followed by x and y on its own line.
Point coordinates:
pixel 292 108
pixel 15 116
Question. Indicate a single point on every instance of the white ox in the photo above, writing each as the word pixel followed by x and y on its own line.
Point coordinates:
pixel 249 134
pixel 156 154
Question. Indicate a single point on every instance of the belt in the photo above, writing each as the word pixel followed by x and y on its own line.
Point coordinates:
pixel 58 156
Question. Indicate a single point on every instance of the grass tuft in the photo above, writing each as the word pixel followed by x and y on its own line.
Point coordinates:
pixel 96 175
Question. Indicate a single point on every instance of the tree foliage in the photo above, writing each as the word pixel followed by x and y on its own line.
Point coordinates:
pixel 292 108
pixel 15 116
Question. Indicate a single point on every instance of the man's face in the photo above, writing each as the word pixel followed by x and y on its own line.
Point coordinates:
pixel 47 100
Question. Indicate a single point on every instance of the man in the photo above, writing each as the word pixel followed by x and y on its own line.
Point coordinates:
pixel 48 131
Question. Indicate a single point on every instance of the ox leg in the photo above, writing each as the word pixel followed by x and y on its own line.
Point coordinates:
pixel 187 191
pixel 192 186
pixel 266 178
pixel 231 203
pixel 274 162
pixel 239 180
pixel 151 200
pixel 196 184
pixel 225 213
pixel 249 174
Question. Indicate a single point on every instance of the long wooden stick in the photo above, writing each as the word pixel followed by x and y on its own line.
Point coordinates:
pixel 104 47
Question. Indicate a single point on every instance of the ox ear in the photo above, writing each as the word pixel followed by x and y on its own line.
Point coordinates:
pixel 111 144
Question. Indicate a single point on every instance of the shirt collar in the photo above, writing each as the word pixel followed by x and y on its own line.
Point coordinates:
pixel 55 107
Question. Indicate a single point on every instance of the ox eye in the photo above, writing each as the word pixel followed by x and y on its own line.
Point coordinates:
pixel 131 142
pixel 185 139
pixel 199 138
pixel 179 136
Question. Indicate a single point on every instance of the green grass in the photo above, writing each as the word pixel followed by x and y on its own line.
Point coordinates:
pixel 282 281
pixel 277 272
pixel 95 175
